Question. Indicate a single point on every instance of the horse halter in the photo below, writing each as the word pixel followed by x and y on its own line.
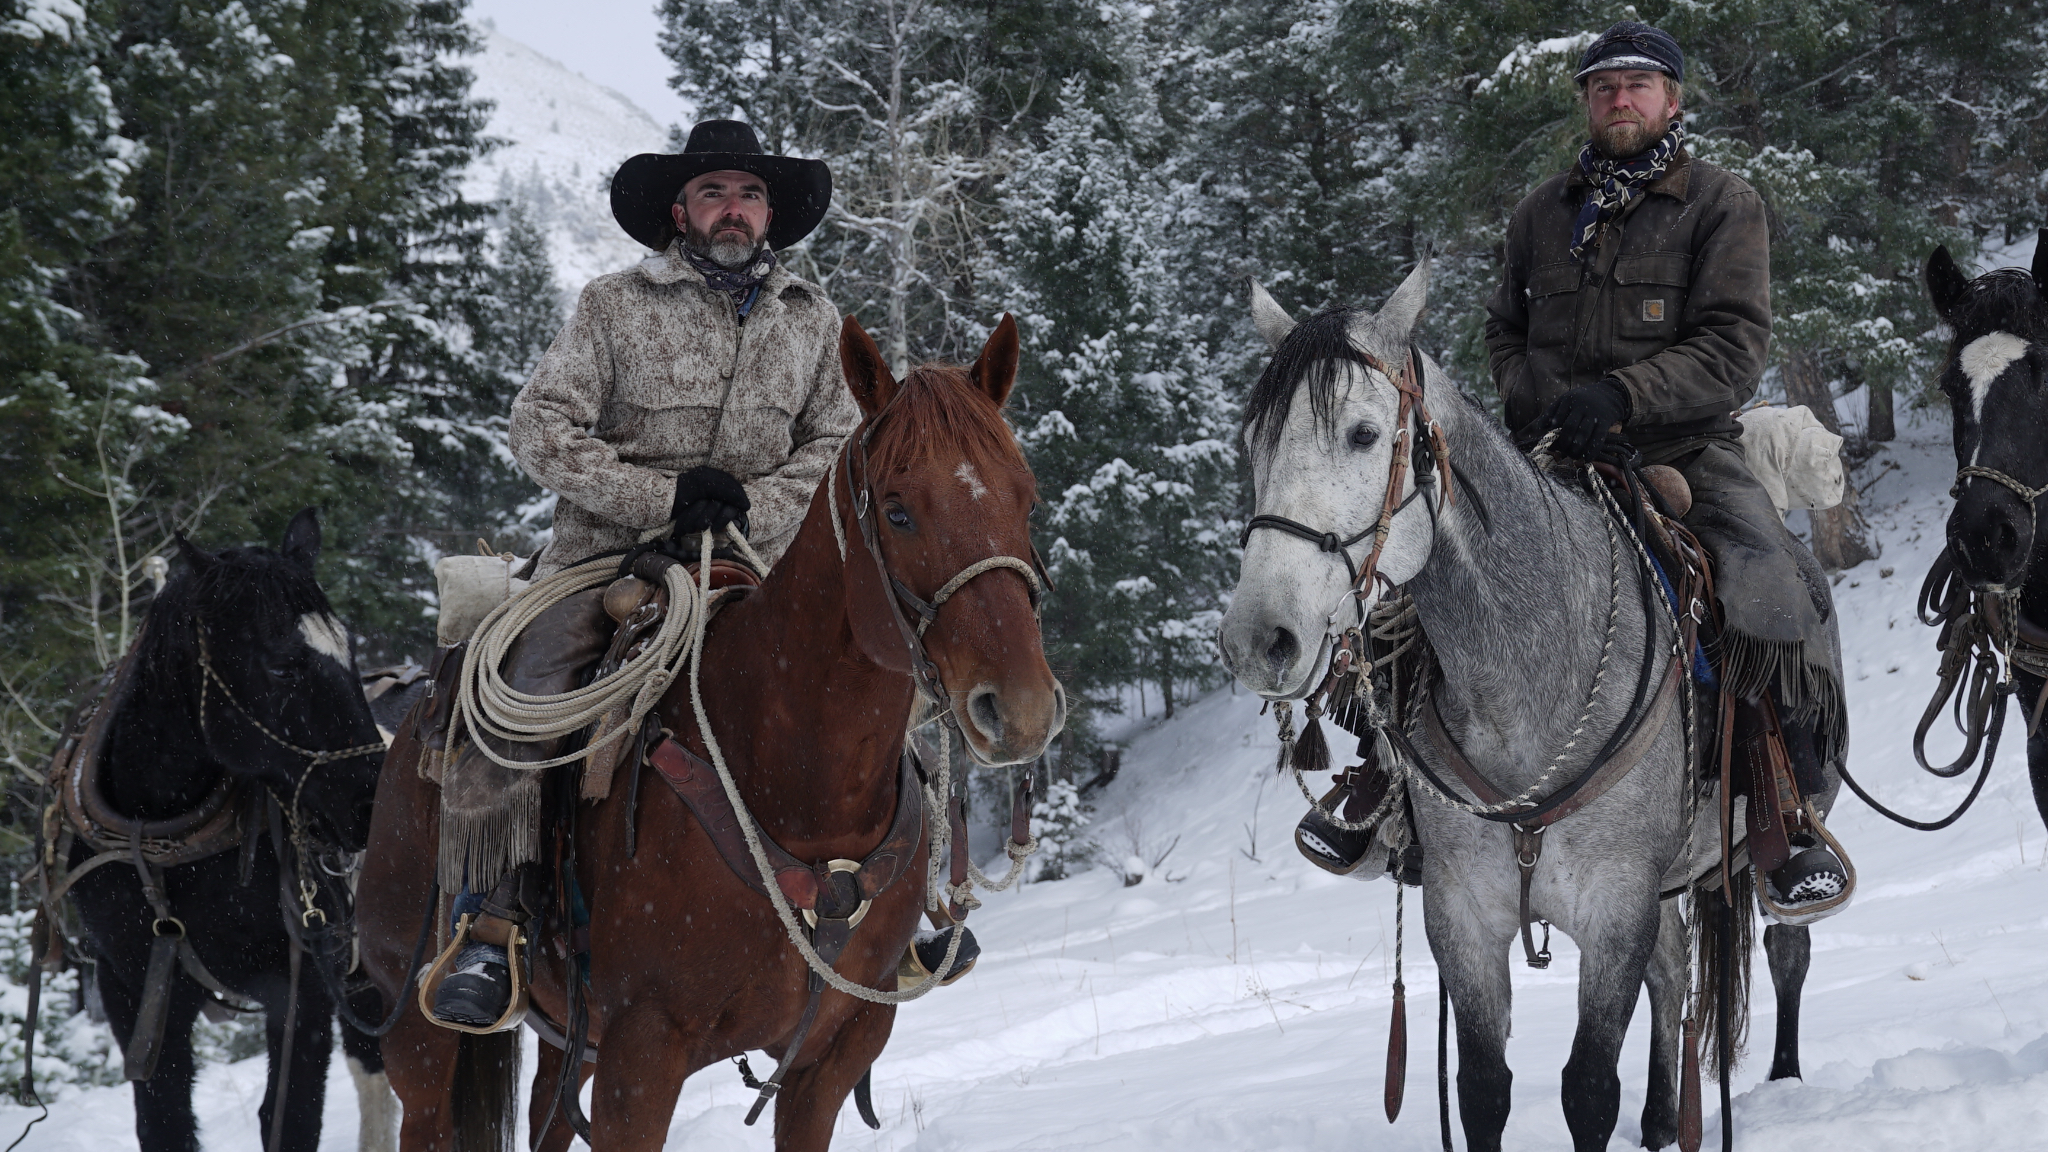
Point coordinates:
pixel 1425 454
pixel 924 671
pixel 2027 495
pixel 211 678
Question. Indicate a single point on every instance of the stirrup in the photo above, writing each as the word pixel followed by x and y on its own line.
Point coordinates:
pixel 1331 848
pixel 430 983
pixel 1821 905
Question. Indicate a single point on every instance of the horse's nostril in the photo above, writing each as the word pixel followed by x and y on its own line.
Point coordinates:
pixel 987 716
pixel 1281 653
pixel 2005 539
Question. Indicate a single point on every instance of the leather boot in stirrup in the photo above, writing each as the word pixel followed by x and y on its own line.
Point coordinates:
pixel 928 952
pixel 1814 873
pixel 479 990
pixel 1345 852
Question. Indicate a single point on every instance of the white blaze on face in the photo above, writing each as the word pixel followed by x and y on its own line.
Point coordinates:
pixel 1984 360
pixel 325 635
pixel 966 474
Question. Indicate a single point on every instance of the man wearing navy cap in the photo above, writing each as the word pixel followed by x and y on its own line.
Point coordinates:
pixel 1635 313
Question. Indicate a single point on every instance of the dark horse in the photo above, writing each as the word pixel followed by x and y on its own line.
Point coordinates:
pixel 1996 381
pixel 805 681
pixel 175 735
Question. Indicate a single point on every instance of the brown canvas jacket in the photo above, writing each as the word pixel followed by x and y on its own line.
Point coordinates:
pixel 655 375
pixel 1675 302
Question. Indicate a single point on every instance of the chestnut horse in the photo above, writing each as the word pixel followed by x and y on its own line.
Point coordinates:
pixel 688 965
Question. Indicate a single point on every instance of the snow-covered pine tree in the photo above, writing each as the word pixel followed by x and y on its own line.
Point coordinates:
pixel 62 179
pixel 1058 819
pixel 917 105
pixel 281 260
pixel 1118 402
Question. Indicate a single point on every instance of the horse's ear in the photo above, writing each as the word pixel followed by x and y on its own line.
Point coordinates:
pixel 196 558
pixel 1945 281
pixel 2041 263
pixel 995 370
pixel 1404 307
pixel 867 375
pixel 1269 317
pixel 302 540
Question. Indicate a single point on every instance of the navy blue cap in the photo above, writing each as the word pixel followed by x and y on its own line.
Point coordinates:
pixel 1633 44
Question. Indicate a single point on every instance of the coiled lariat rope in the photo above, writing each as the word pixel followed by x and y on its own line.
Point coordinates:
pixel 490 706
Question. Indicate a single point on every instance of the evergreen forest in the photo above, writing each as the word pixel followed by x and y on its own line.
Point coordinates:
pixel 240 278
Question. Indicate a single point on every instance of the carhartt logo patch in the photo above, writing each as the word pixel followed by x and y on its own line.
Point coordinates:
pixel 1653 310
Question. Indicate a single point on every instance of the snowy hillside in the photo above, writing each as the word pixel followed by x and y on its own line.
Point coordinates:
pixel 565 136
pixel 1232 1002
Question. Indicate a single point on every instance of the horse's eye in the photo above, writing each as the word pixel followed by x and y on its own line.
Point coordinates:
pixel 1364 436
pixel 897 516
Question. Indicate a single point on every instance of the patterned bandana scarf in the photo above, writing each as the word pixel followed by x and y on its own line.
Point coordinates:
pixel 738 283
pixel 1616 182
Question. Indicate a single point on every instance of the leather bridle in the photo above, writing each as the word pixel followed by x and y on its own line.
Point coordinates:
pixel 924 672
pixel 1425 454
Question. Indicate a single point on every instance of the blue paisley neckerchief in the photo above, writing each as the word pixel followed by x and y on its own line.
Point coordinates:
pixel 739 283
pixel 1616 182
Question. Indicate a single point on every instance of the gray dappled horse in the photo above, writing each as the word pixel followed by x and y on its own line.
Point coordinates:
pixel 1514 584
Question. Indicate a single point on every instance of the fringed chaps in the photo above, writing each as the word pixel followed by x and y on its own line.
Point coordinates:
pixel 490 814
pixel 1775 602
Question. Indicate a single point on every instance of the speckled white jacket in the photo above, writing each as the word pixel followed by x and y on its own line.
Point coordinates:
pixel 655 375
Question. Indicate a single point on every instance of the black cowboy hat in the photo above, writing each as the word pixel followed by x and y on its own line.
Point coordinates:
pixel 645 186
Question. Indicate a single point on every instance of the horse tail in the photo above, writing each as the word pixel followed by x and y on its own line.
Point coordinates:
pixel 486 1096
pixel 1722 930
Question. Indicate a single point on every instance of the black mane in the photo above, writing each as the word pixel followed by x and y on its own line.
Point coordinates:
pixel 1312 351
pixel 2007 300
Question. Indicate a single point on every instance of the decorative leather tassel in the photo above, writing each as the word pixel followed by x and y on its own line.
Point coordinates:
pixel 1397 1029
pixel 1397 1052
pixel 1689 1126
pixel 1312 751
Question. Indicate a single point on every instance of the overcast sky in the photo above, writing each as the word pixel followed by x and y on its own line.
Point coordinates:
pixel 613 42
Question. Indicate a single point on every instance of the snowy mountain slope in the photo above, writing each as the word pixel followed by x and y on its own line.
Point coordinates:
pixel 1231 1003
pixel 565 136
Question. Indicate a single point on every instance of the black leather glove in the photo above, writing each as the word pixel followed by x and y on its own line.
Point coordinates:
pixel 1586 415
pixel 708 498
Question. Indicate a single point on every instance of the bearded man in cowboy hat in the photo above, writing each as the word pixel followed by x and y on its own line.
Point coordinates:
pixel 702 387
pixel 699 390
pixel 1636 309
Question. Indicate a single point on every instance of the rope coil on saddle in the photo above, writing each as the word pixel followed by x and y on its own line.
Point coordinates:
pixel 490 706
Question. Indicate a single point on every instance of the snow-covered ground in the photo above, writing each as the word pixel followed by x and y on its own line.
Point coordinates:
pixel 564 136
pixel 1239 998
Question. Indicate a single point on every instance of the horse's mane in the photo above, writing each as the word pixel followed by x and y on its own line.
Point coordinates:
pixel 2007 300
pixel 1312 351
pixel 938 406
pixel 247 584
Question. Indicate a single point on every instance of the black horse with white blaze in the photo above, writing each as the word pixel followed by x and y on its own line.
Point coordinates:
pixel 1996 381
pixel 240 670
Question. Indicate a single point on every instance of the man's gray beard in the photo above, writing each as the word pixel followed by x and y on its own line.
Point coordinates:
pixel 730 254
pixel 1628 139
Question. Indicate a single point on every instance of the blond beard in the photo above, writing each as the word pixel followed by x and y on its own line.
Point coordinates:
pixel 1628 138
